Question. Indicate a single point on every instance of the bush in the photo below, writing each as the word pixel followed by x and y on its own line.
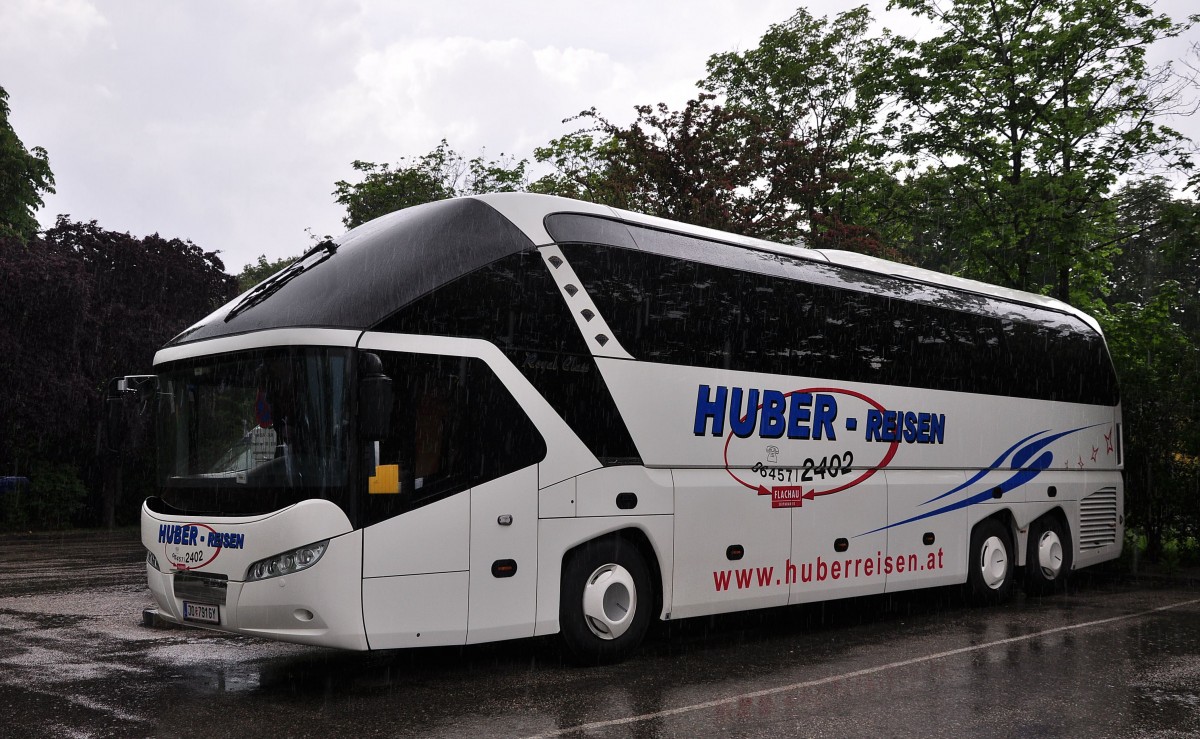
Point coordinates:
pixel 53 499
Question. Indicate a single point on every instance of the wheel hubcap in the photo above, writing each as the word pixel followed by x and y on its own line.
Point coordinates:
pixel 609 601
pixel 1050 555
pixel 993 562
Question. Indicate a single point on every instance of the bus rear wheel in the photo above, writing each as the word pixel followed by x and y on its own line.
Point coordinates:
pixel 1049 559
pixel 990 570
pixel 604 610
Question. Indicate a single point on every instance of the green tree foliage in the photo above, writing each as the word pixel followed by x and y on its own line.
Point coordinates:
pixel 1029 111
pixel 252 274
pixel 1154 335
pixel 24 177
pixel 442 173
pixel 808 76
pixel 709 165
pixel 83 305
pixel 580 169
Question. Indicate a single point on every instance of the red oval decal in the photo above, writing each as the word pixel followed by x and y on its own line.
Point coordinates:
pixel 813 449
pixel 190 552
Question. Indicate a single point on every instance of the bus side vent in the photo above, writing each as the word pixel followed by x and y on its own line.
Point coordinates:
pixel 1098 519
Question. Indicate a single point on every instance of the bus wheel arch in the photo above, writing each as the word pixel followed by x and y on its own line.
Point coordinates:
pixel 610 590
pixel 991 553
pixel 1050 554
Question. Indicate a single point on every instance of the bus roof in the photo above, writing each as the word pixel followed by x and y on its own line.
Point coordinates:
pixel 375 269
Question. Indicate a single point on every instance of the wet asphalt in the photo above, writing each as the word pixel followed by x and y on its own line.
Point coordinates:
pixel 1117 656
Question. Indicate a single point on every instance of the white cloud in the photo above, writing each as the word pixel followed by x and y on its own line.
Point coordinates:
pixel 48 26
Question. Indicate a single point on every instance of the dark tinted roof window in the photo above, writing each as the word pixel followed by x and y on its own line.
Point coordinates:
pixel 813 319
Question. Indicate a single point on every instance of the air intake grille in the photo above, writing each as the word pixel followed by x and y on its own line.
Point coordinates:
pixel 201 588
pixel 1098 519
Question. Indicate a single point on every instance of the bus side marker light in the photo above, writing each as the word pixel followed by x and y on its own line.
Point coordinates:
pixel 504 568
pixel 734 552
pixel 928 538
pixel 626 501
pixel 841 545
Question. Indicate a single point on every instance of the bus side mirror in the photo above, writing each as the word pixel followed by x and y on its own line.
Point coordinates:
pixel 375 399
pixel 128 406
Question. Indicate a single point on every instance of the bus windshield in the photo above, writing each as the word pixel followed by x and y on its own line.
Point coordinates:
pixel 254 431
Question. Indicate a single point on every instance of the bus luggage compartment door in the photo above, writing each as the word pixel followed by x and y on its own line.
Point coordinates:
pixel 415 576
pixel 927 536
pixel 838 541
pixel 731 546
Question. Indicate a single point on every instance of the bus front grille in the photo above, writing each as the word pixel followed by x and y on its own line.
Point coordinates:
pixel 1098 519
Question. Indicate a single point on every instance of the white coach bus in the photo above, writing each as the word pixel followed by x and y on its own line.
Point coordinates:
pixel 512 415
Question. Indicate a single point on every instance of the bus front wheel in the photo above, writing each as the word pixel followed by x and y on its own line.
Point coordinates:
pixel 606 601
pixel 990 573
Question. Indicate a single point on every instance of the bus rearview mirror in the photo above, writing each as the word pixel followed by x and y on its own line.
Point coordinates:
pixel 128 407
pixel 375 399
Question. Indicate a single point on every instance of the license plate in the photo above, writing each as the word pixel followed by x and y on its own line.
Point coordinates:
pixel 202 612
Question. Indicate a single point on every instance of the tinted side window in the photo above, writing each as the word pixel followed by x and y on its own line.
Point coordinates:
pixel 453 426
pixel 515 304
pixel 840 324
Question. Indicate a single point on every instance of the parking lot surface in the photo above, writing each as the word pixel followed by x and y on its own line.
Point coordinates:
pixel 1116 656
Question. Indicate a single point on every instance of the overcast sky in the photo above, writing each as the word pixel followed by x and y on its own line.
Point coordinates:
pixel 228 122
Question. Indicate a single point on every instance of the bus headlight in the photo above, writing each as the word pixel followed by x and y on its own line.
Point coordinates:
pixel 287 563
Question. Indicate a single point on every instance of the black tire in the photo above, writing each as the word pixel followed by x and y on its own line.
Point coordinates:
pixel 1048 558
pixel 606 601
pixel 990 565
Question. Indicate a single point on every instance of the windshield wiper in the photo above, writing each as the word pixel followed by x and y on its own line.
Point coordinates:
pixel 274 283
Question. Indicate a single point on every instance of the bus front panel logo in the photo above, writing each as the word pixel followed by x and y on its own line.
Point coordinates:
pixel 191 546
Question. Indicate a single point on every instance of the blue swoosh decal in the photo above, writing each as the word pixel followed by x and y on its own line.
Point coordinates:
pixel 994 466
pixel 1025 472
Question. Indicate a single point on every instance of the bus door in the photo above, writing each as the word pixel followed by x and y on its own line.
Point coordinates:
pixel 450 552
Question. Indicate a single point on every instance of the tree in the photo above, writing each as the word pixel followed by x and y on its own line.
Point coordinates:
pixel 1159 239
pixel 1030 111
pixel 24 177
pixel 580 168
pixel 252 274
pixel 109 301
pixel 808 77
pixel 1159 366
pixel 770 147
pixel 709 165
pixel 1153 327
pixel 440 174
